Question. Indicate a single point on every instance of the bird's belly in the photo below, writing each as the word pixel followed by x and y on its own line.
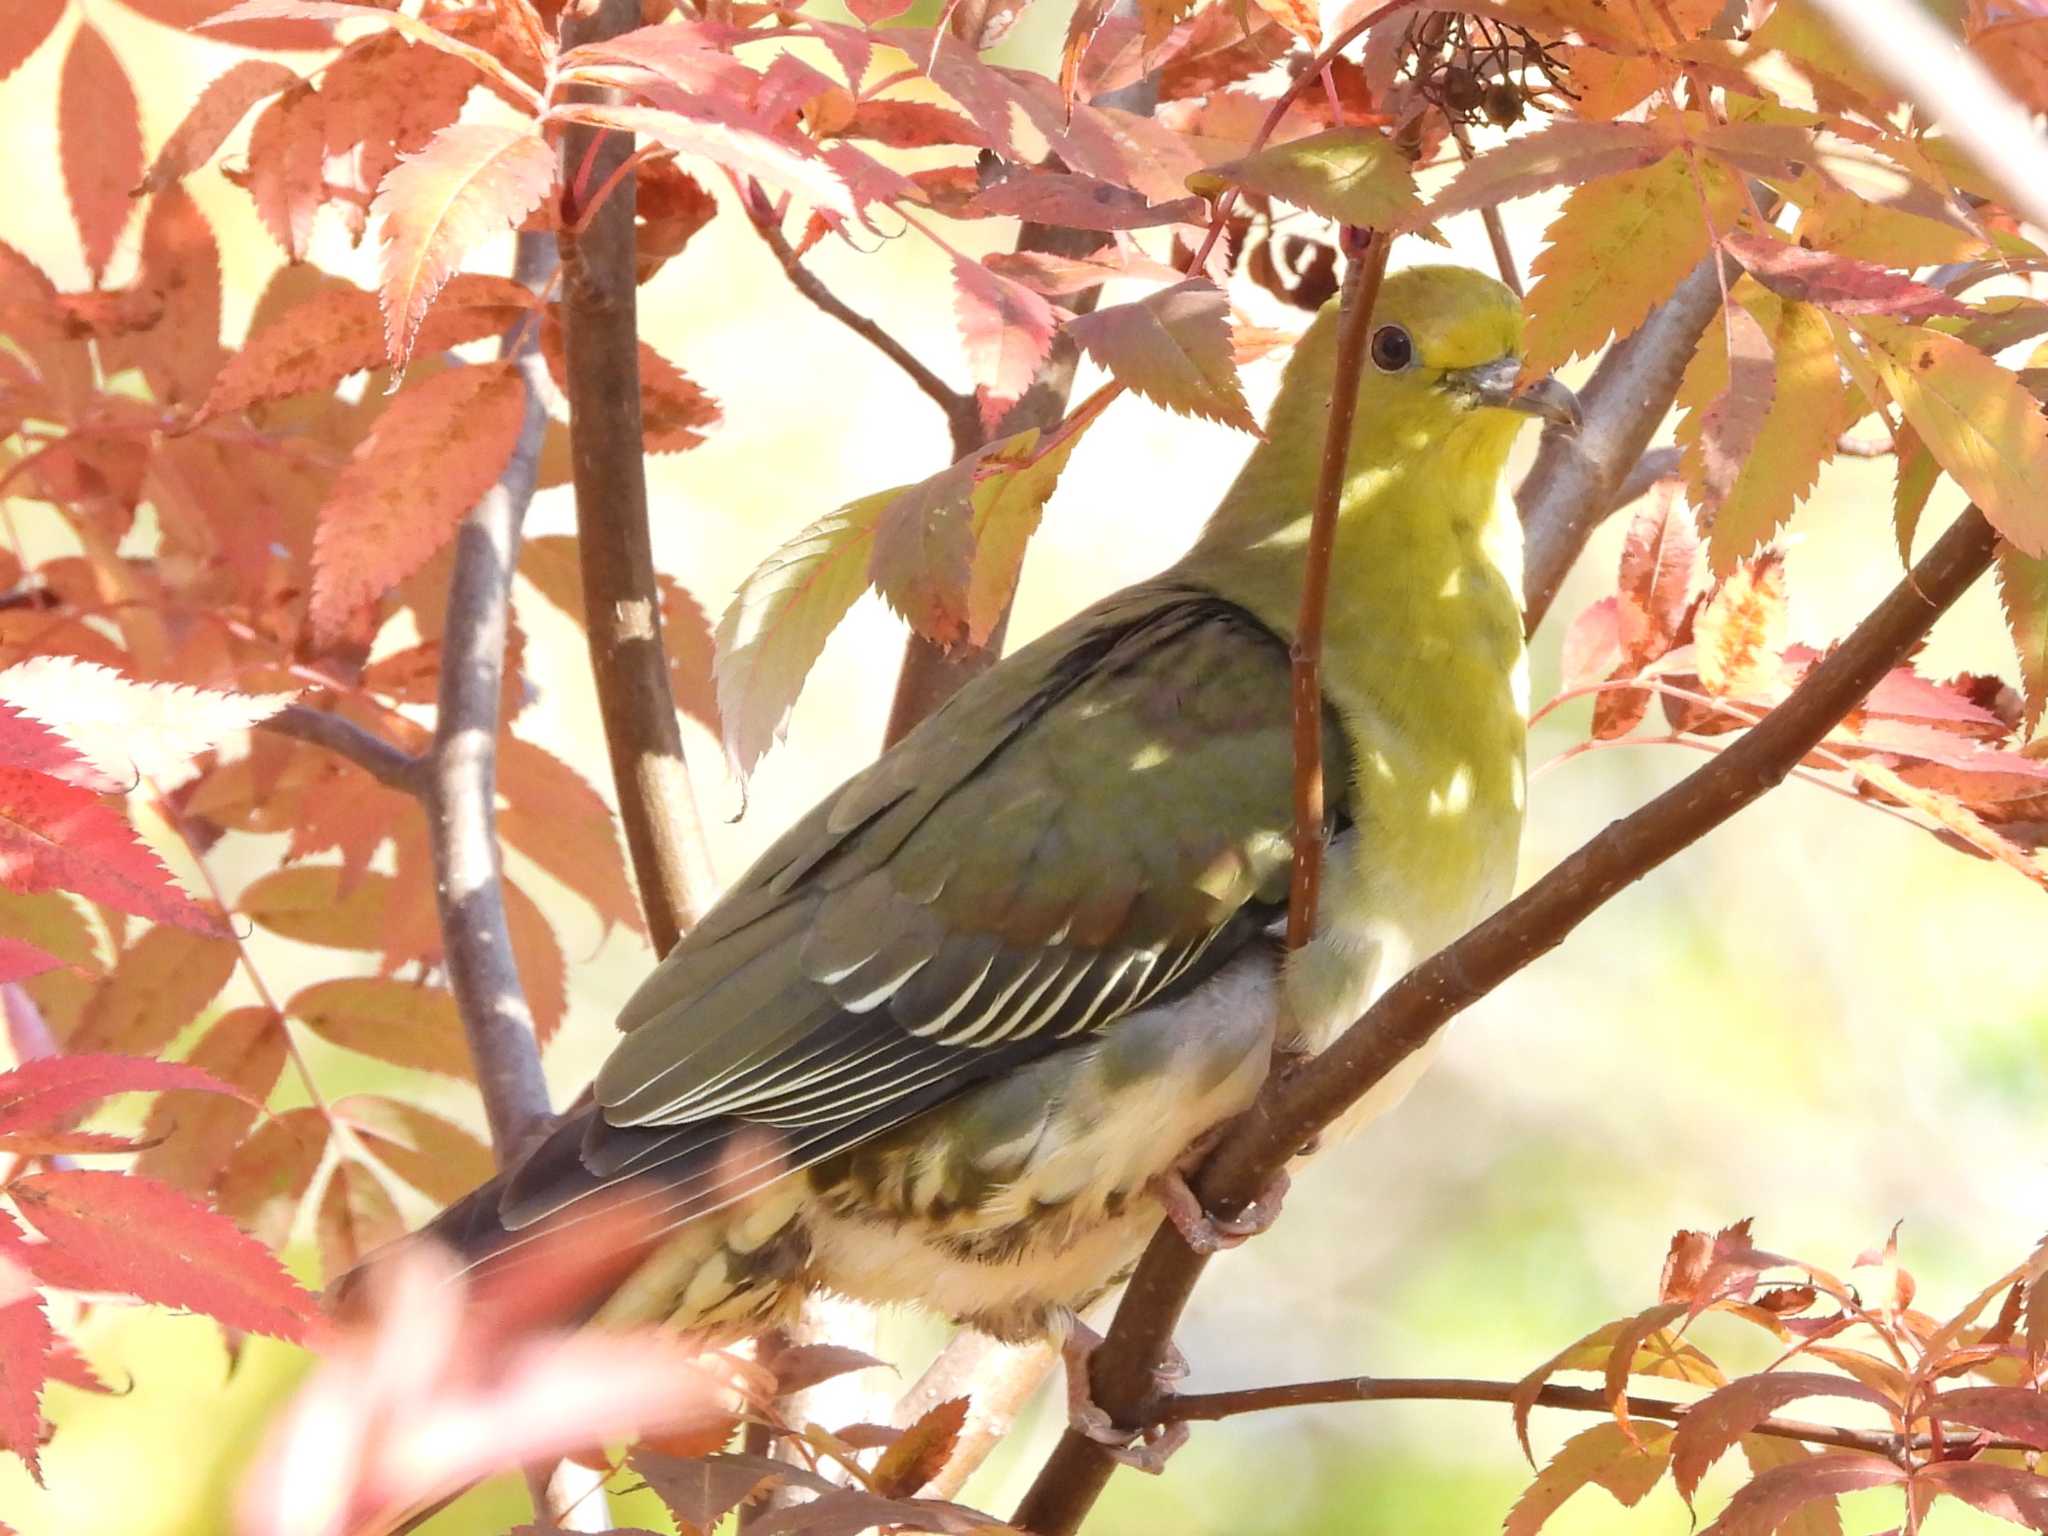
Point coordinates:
pixel 1025 1199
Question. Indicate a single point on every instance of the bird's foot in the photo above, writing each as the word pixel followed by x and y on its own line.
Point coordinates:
pixel 1146 1449
pixel 1204 1232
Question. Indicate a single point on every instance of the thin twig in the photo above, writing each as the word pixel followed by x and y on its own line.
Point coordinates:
pixel 621 597
pixel 1296 1107
pixel 1359 295
pixel 1194 1406
pixel 461 796
pixel 1926 63
pixel 959 408
pixel 1496 228
pixel 344 738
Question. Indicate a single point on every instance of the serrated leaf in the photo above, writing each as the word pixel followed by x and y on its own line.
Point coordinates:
pixel 1659 1353
pixel 1917 476
pixel 307 902
pixel 791 165
pixel 1724 1416
pixel 1977 420
pixel 1619 245
pixel 435 1156
pixel 538 954
pixel 26 742
pixel 413 27
pixel 1564 154
pixel 125 1233
pixel 674 409
pixel 180 273
pixel 20 961
pixel 49 1091
pixel 99 141
pixel 2012 1494
pixel 553 816
pixel 1007 330
pixel 269 1174
pixel 1764 1504
pixel 1008 504
pixel 1818 1517
pixel 1835 282
pixel 356 1215
pixel 287 158
pixel 160 984
pixel 339 330
pixel 129 729
pixel 922 1452
pixel 194 1137
pixel 2013 1413
pixel 30 24
pixel 212 117
pixel 1352 175
pixel 2023 595
pixel 1173 347
pixel 1733 420
pixel 395 1021
pixel 1589 1456
pixel 1739 636
pixel 472 181
pixel 383 519
pixel 55 836
pixel 26 1344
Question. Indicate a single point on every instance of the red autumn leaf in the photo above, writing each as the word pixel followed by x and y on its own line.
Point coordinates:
pixel 472 181
pixel 339 331
pixel 49 1091
pixel 1602 1454
pixel 1007 330
pixel 127 728
pixel 2012 1494
pixel 385 97
pixel 20 961
pixel 25 742
pixel 1561 155
pixel 1723 1417
pixel 1079 202
pixel 1836 282
pixel 554 817
pixel 57 837
pixel 212 117
pixel 414 28
pixel 673 407
pixel 26 1344
pixel 538 955
pixel 287 151
pixel 181 352
pixel 100 142
pixel 1763 1505
pixel 788 163
pixel 437 1387
pixel 182 14
pixel 383 519
pixel 2015 1413
pixel 1732 423
pixel 33 21
pixel 124 1233
pixel 910 125
pixel 1174 348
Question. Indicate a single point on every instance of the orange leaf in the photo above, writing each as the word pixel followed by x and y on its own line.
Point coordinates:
pixel 395 1021
pixel 159 985
pixel 383 518
pixel 1773 1497
pixel 922 1451
pixel 1741 630
pixel 1602 1454
pixel 287 151
pixel 470 182
pixel 269 1174
pixel 1721 1418
pixel 32 23
pixel 100 140
pixel 222 105
pixel 1172 347
pixel 121 1232
pixel 356 1215
pixel 194 1137
pixel 1007 330
pixel 434 1156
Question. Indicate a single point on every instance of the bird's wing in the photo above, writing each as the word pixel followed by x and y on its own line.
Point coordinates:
pixel 1099 822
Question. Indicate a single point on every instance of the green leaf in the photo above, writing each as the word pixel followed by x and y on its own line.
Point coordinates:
pixel 1174 348
pixel 2023 592
pixel 1352 175
pixel 1976 418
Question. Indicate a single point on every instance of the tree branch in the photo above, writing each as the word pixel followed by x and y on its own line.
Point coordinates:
pixel 621 599
pixel 1577 478
pixel 459 777
pixel 996 1378
pixel 1295 1108
pixel 1360 293
pixel 962 415
pixel 1193 1406
pixel 344 738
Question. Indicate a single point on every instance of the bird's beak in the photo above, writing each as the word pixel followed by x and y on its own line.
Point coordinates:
pixel 1494 384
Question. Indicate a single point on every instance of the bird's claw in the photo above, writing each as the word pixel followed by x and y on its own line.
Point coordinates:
pixel 1205 1233
pixel 1146 1449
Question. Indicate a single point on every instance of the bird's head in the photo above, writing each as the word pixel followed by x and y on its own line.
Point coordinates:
pixel 1444 356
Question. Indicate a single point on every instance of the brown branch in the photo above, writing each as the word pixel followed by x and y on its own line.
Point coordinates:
pixel 1361 291
pixel 962 414
pixel 459 776
pixel 1577 479
pixel 1194 1406
pixel 621 599
pixel 1649 472
pixel 1296 1107
pixel 344 738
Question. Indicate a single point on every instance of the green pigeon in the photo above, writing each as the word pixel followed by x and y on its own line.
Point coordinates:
pixel 951 1038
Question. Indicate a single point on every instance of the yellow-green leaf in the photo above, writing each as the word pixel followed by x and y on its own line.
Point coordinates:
pixel 1620 245
pixel 1352 175
pixel 1976 418
pixel 2023 590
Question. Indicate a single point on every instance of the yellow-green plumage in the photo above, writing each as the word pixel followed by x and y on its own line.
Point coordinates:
pixel 937 1044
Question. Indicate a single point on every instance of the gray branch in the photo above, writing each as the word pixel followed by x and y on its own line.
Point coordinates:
pixel 344 738
pixel 461 772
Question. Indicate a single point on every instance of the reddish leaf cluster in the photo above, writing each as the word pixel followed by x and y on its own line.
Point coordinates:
pixel 1974 1442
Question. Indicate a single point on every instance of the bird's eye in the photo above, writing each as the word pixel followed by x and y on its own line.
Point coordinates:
pixel 1392 350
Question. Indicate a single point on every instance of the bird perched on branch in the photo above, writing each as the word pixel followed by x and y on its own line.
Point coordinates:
pixel 951 1038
